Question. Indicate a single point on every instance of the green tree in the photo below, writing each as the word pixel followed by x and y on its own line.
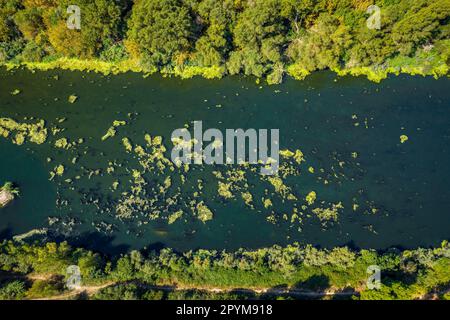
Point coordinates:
pixel 214 43
pixel 259 36
pixel 421 25
pixel 99 24
pixel 14 290
pixel 323 45
pixel 29 22
pixel 8 29
pixel 161 31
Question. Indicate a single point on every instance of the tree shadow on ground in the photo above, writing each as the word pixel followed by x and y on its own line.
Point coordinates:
pixel 243 293
pixel 344 294
pixel 316 283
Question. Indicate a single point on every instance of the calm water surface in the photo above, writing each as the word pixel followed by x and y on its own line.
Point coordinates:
pixel 403 190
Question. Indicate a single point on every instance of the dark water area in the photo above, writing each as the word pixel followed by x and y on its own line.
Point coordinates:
pixel 392 193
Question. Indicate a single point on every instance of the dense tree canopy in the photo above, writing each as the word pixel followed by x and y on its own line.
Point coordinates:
pixel 7 28
pixel 264 38
pixel 259 34
pixel 162 30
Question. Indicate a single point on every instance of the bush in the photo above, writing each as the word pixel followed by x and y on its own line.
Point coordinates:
pixel 45 288
pixel 32 53
pixel 14 290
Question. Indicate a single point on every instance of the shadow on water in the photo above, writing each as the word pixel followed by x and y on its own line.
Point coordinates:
pixel 95 240
pixel 6 233
pixel 352 245
pixel 154 247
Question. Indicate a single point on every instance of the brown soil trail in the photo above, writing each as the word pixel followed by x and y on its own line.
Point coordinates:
pixel 299 293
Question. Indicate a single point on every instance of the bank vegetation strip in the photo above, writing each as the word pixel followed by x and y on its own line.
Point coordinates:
pixel 277 272
pixel 212 38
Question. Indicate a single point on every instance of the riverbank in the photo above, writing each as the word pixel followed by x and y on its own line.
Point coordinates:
pixel 290 271
pixel 265 39
pixel 422 65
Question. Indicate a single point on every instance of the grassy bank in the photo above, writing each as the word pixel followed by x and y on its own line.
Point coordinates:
pixel 424 65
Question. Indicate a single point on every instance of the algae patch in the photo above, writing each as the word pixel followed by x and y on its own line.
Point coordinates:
pixel 72 98
pixel 403 138
pixel 34 132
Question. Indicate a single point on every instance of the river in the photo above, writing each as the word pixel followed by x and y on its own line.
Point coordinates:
pixel 385 192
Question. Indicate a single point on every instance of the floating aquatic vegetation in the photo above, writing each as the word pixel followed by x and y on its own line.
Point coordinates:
pixel 297 155
pixel 311 198
pixel 175 216
pixel 281 188
pixel 35 132
pixel 19 139
pixel 127 144
pixel 233 180
pixel 248 198
pixel 62 143
pixel 224 190
pixel 272 218
pixel 57 171
pixel 72 98
pixel 15 92
pixel 110 133
pixel 328 214
pixel 267 203
pixel 158 189
pixel 203 212
pixel 112 130
pixel 403 138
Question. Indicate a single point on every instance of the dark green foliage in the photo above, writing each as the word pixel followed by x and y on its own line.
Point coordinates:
pixel 33 52
pixel 8 30
pixel 10 50
pixel 259 35
pixel 421 25
pixel 14 290
pixel 162 31
pixel 113 52
pixel 405 275
pixel 214 42
pixel 45 288
pixel 252 37
pixel 99 24
pixel 119 292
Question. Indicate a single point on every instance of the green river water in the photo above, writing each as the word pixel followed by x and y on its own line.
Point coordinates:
pixel 388 193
